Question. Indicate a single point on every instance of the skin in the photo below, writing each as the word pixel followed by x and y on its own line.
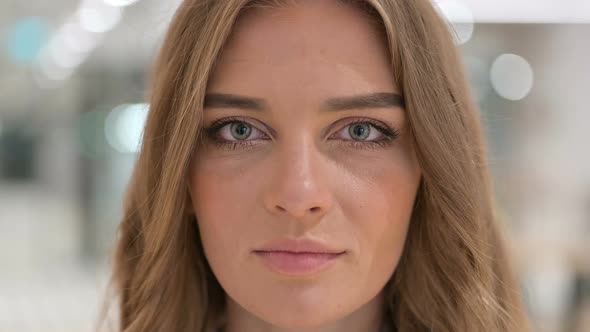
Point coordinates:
pixel 300 176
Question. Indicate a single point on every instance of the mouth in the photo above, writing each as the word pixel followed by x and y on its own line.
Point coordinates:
pixel 297 263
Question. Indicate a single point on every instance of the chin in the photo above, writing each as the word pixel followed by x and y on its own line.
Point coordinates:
pixel 288 320
pixel 299 316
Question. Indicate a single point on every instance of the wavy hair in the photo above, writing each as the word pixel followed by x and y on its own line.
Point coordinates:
pixel 454 273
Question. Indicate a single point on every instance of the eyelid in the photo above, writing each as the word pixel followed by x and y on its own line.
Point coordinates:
pixel 214 128
pixel 386 130
pixel 383 128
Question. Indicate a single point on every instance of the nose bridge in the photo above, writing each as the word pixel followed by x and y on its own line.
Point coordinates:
pixel 299 183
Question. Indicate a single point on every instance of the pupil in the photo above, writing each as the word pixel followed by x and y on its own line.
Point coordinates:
pixel 360 130
pixel 241 131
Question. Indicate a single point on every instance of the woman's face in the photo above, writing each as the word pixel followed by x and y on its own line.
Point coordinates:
pixel 303 201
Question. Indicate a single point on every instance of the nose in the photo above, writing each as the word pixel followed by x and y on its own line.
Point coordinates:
pixel 299 184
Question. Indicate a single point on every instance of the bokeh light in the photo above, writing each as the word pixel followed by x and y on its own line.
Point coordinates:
pixel 124 127
pixel 98 17
pixel 67 49
pixel 26 39
pixel 460 17
pixel 120 3
pixel 512 76
pixel 64 56
pixel 51 70
pixel 77 39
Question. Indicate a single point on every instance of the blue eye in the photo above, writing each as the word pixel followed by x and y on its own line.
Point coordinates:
pixel 369 132
pixel 231 133
pixel 234 132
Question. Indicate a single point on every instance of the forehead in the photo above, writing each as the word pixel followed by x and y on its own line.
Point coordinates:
pixel 306 42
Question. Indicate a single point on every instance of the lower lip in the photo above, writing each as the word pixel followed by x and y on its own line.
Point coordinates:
pixel 297 264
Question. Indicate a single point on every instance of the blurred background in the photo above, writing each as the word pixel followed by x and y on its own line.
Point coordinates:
pixel 72 86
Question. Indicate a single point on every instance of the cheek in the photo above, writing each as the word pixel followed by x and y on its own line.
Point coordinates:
pixel 391 201
pixel 380 207
pixel 221 199
pixel 221 188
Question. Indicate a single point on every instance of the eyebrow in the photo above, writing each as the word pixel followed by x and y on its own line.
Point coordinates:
pixel 372 100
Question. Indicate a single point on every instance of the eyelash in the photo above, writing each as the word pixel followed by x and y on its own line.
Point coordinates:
pixel 213 129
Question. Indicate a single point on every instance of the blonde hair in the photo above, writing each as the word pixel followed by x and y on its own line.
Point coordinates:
pixel 454 274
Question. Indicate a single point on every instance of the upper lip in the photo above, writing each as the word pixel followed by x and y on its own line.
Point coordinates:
pixel 304 245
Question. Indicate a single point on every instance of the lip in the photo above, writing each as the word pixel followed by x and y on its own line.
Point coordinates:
pixel 298 257
pixel 304 245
